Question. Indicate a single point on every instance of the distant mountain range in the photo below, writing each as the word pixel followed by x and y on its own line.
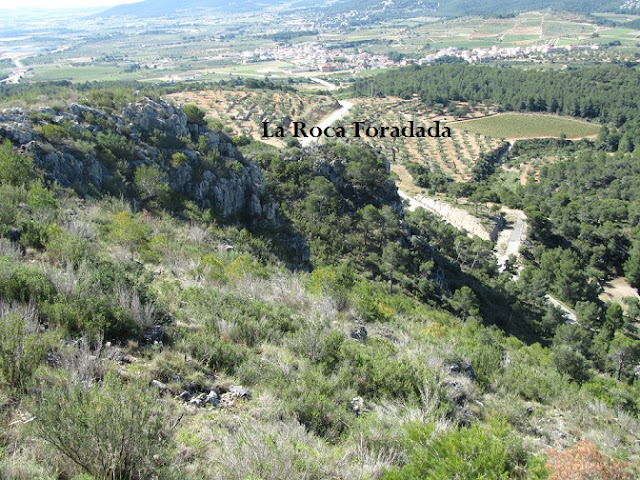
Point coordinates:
pixel 456 8
pixel 505 7
pixel 161 8
pixel 372 8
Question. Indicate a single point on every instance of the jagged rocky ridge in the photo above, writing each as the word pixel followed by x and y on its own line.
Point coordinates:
pixel 230 186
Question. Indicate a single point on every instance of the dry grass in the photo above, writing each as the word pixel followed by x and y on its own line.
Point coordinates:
pixel 9 249
pixel 19 467
pixel 617 290
pixel 66 281
pixel 83 361
pixel 238 448
pixel 143 315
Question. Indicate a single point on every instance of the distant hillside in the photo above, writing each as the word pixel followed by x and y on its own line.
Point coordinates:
pixel 392 7
pixel 375 10
pixel 159 8
pixel 504 7
pixel 378 9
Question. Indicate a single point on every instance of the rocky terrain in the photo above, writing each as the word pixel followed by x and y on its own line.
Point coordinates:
pixel 81 147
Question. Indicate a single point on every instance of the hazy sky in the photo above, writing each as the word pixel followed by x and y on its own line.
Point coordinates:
pixel 9 4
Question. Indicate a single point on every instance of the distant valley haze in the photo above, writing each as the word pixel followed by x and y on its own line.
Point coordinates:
pixel 62 4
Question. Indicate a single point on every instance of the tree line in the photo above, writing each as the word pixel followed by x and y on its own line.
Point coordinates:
pixel 605 93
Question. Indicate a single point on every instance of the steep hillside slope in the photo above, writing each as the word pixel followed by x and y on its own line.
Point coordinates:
pixel 144 334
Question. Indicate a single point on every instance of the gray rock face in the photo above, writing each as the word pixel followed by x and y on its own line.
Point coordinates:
pixel 159 385
pixel 212 399
pixel 16 133
pixel 239 391
pixel 153 334
pixel 469 372
pixel 148 116
pixel 359 333
pixel 230 185
pixel 218 397
pixel 465 368
pixel 15 234
pixel 69 170
pixel 357 405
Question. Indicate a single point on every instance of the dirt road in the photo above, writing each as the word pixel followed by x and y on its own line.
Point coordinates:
pixel 330 86
pixel 330 119
pixel 510 238
pixel 458 217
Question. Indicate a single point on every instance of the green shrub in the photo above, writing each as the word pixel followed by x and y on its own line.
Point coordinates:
pixel 331 353
pixel 107 276
pixel 212 268
pixel 57 133
pixel 17 467
pixel 22 344
pixel 371 301
pixel 532 382
pixel 67 249
pixel 113 147
pixel 23 283
pixel 178 159
pixel 15 168
pixel 112 431
pixel 252 321
pixel 618 395
pixel 92 315
pixel 208 349
pixel 194 114
pixel 216 125
pixel 241 140
pixel 35 232
pixel 151 184
pixel 331 281
pixel 41 198
pixel 376 372
pixel 320 405
pixel 127 231
pixel 12 196
pixel 571 363
pixel 163 140
pixel 483 349
pixel 467 454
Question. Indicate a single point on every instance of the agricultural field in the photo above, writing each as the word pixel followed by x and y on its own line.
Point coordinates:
pixel 213 48
pixel 517 125
pixel 519 31
pixel 453 156
pixel 479 130
pixel 245 110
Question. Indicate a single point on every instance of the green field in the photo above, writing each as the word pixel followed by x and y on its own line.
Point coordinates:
pixel 518 125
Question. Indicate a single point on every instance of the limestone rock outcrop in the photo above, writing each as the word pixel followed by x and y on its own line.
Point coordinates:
pixel 66 146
